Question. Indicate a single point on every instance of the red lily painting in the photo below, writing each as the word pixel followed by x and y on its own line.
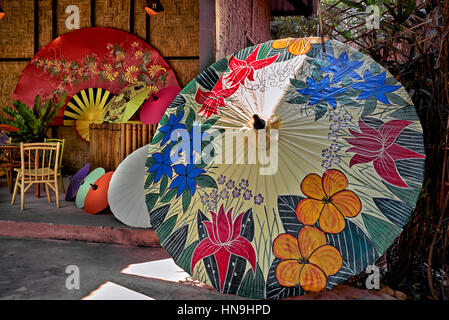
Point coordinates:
pixel 380 147
pixel 223 240
pixel 212 100
pixel 244 69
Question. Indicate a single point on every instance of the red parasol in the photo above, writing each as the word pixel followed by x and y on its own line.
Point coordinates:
pixel 97 197
pixel 87 58
pixel 153 110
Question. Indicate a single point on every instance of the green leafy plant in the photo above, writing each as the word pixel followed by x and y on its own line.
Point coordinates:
pixel 31 122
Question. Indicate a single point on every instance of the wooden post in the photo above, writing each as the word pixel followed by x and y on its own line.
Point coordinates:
pixel 107 136
pixel 139 135
pixel 144 134
pixel 134 137
pixel 122 140
pixel 128 139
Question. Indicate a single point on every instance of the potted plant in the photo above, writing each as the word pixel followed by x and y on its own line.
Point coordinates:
pixel 32 123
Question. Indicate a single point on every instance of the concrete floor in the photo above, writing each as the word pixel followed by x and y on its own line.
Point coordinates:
pixel 44 220
pixel 39 210
pixel 36 269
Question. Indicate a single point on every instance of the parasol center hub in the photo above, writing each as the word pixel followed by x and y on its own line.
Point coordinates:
pixel 303 260
pixel 258 122
pixel 94 186
pixel 327 200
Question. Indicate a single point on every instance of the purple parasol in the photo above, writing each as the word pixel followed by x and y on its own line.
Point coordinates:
pixel 75 182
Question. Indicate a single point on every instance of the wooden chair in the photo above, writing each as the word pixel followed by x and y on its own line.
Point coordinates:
pixel 61 141
pixel 39 164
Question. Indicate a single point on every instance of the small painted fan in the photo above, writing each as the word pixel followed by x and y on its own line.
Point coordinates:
pixel 86 107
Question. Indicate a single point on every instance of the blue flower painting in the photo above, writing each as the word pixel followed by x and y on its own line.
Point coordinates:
pixel 162 165
pixel 341 67
pixel 374 86
pixel 321 91
pixel 172 125
pixel 186 178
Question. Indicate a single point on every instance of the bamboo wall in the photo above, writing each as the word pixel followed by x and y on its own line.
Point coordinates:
pixel 237 19
pixel 31 24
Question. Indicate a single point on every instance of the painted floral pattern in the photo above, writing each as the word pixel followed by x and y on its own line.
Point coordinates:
pixel 374 86
pixel 230 190
pixel 126 66
pixel 321 91
pixel 306 260
pixel 241 70
pixel 223 240
pixel 341 67
pixel 211 101
pixel 380 148
pixel 296 46
pixel 328 202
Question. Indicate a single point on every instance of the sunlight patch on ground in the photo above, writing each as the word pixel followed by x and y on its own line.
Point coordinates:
pixel 112 291
pixel 165 269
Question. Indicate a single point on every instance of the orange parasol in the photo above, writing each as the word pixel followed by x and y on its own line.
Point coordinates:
pixel 97 197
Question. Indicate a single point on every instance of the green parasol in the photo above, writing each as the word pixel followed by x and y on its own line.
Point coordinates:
pixel 85 186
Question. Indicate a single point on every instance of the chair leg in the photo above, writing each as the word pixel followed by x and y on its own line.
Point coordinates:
pixel 22 195
pixel 16 186
pixel 7 176
pixel 57 191
pixel 48 193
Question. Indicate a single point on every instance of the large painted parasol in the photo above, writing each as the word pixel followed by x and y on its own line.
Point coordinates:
pixel 317 164
pixel 98 57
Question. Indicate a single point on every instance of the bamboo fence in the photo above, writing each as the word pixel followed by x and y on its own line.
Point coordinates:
pixel 110 143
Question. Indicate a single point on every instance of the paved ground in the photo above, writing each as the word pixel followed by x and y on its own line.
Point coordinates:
pixel 39 210
pixel 36 269
pixel 44 220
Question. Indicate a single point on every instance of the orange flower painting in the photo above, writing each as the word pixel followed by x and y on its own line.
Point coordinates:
pixel 328 202
pixel 307 260
pixel 297 46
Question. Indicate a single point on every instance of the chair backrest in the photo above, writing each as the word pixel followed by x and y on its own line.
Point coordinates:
pixel 39 161
pixel 61 141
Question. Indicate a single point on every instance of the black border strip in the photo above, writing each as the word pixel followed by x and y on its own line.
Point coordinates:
pixel 182 58
pixel 54 19
pixel 14 59
pixel 36 26
pixel 147 27
pixel 131 16
pixel 92 13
